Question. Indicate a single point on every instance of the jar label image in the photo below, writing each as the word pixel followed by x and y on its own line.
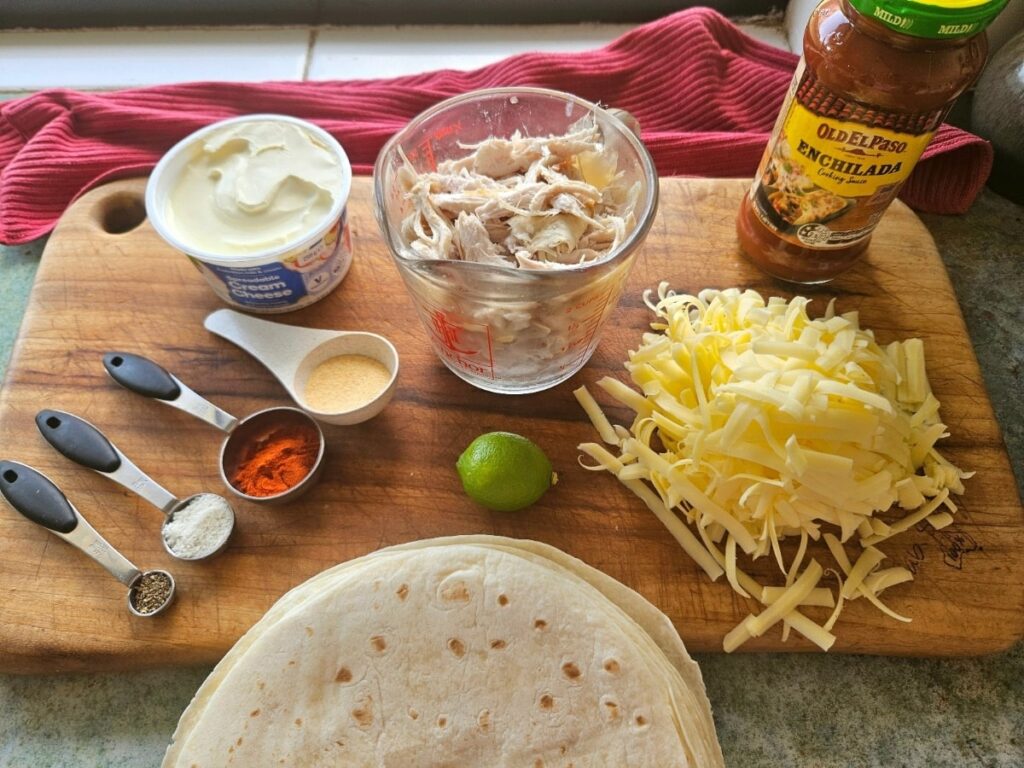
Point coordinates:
pixel 832 165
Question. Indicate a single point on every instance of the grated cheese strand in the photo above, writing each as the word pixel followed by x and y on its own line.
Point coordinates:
pixel 867 562
pixel 784 608
pixel 597 418
pixel 730 566
pixel 881 580
pixel 682 534
pixel 625 395
pixel 820 636
pixel 909 521
pixel 793 596
pixel 819 596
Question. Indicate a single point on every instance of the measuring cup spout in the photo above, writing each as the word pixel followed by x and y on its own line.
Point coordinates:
pixel 142 376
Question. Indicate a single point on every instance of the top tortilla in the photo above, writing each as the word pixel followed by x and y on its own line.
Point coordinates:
pixel 462 651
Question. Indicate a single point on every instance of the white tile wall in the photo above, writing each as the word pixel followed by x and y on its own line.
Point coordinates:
pixel 347 52
pixel 30 60
pixel 797 13
pixel 767 32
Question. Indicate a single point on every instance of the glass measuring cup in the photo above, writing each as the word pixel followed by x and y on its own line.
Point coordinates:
pixel 505 329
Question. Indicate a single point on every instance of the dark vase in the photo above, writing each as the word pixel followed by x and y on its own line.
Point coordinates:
pixel 998 115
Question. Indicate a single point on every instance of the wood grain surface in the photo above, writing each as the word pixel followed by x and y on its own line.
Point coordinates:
pixel 393 480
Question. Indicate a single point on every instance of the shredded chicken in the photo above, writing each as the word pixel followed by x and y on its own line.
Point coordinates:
pixel 524 202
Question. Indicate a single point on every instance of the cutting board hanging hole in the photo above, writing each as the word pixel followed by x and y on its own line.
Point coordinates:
pixel 120 213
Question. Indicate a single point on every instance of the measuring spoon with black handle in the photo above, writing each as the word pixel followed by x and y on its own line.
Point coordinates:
pixel 78 440
pixel 142 376
pixel 35 496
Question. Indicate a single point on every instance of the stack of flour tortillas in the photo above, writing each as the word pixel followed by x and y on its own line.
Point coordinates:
pixel 473 651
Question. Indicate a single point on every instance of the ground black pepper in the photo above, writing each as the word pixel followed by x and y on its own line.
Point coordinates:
pixel 150 592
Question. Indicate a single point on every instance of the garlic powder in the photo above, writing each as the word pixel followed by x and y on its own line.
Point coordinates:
pixel 200 527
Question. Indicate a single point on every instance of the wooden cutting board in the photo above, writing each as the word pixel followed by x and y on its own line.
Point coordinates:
pixel 393 480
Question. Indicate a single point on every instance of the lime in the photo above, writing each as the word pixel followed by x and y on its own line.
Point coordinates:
pixel 504 471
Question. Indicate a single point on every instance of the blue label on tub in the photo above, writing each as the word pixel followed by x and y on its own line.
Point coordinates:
pixel 270 285
pixel 305 273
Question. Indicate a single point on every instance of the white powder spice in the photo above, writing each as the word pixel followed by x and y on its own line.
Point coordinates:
pixel 200 527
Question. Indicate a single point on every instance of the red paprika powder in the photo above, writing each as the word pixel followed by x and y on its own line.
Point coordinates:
pixel 279 460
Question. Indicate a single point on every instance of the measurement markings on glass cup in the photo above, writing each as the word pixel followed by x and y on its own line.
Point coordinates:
pixel 458 350
pixel 583 330
pixel 425 148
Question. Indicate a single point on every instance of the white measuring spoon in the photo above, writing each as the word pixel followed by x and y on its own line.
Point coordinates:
pixel 292 353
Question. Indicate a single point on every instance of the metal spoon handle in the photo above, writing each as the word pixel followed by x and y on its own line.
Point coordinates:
pixel 84 444
pixel 36 497
pixel 142 376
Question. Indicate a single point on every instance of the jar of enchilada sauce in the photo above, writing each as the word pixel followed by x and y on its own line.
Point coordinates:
pixel 876 80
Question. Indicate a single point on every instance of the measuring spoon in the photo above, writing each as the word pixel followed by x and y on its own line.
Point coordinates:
pixel 292 353
pixel 84 444
pixel 36 497
pixel 142 376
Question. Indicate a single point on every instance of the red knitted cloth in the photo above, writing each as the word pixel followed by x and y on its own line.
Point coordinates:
pixel 705 94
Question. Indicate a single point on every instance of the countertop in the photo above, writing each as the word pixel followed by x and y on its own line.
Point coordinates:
pixel 771 710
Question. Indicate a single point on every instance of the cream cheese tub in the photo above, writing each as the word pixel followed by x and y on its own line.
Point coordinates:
pixel 258 203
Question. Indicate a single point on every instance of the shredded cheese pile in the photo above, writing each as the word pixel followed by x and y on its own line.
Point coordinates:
pixel 755 422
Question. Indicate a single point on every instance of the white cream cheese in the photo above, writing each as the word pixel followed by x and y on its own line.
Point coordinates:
pixel 252 186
